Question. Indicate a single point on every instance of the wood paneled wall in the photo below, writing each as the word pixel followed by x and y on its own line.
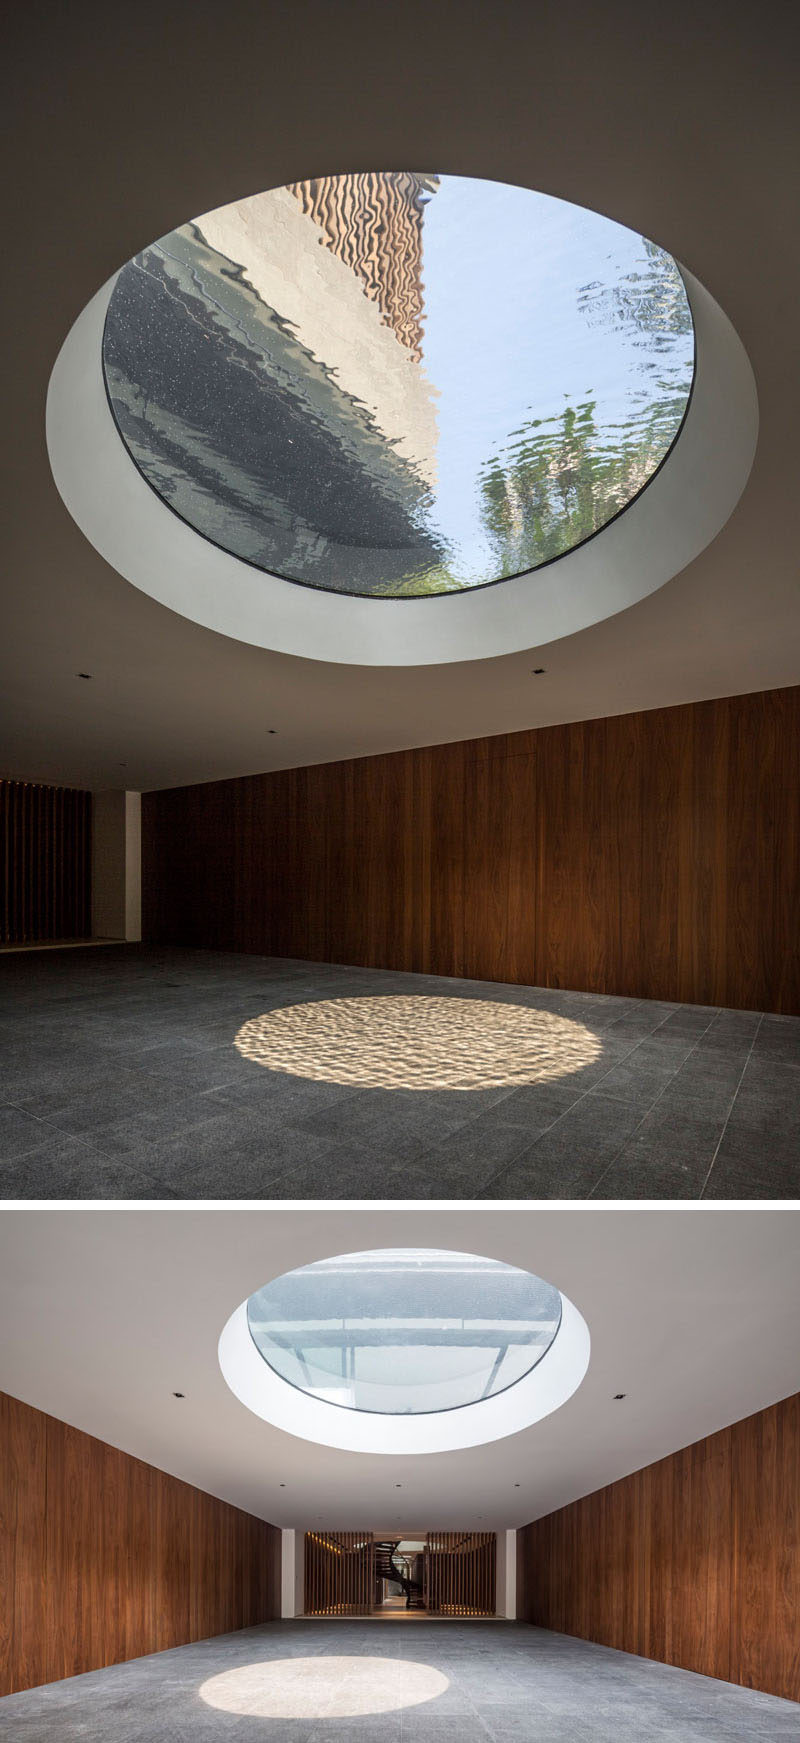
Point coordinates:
pixel 655 855
pixel 694 1561
pixel 460 1573
pixel 339 1578
pixel 103 1558
pixel 45 863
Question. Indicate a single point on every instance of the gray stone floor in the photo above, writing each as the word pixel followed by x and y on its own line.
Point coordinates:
pixel 503 1681
pixel 119 1079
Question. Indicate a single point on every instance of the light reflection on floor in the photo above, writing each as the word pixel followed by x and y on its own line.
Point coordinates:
pixel 323 1687
pixel 415 1042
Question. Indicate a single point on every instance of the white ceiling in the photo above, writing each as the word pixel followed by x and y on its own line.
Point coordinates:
pixel 123 124
pixel 694 1313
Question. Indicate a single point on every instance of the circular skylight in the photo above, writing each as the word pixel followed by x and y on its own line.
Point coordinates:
pixel 406 1331
pixel 399 384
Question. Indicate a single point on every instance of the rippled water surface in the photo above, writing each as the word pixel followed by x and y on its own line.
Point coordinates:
pixel 399 384
pixel 403 1332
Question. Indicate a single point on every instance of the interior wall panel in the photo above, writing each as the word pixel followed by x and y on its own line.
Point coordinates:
pixel 654 855
pixel 45 863
pixel 104 1558
pixel 694 1561
pixel 338 1573
pixel 461 1573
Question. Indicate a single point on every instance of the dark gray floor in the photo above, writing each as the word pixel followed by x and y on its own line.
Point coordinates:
pixel 120 1080
pixel 502 1681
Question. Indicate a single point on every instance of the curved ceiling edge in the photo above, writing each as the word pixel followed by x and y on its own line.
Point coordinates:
pixel 673 519
pixel 549 1385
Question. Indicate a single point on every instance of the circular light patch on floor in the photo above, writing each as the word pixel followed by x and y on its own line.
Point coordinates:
pixel 323 1688
pixel 396 1042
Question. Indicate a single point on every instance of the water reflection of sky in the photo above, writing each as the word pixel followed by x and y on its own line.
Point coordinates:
pixel 275 397
pixel 505 339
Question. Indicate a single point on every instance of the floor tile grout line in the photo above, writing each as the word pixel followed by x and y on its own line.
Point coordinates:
pixel 632 1134
pixel 731 1108
pixel 593 1087
pixel 64 1133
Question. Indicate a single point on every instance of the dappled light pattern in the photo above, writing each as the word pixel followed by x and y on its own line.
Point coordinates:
pixel 398 1042
pixel 323 1688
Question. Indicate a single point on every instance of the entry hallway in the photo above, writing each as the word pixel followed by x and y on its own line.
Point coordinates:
pixel 143 1072
pixel 454 1682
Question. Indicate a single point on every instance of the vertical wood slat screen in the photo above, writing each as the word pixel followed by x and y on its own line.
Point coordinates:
pixel 45 863
pixel 339 1573
pixel 460 1573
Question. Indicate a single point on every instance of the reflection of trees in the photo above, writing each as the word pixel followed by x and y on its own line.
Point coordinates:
pixel 559 481
pixel 651 302
pixel 560 478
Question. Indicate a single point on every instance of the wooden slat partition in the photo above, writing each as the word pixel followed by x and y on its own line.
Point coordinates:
pixel 339 1578
pixel 653 855
pixel 694 1561
pixel 45 863
pixel 460 1573
pixel 104 1558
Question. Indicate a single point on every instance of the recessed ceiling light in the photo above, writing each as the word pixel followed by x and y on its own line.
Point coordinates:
pixel 619 1395
pixel 537 671
pixel 83 674
pixel 179 1394
pixel 272 731
pixel 281 1485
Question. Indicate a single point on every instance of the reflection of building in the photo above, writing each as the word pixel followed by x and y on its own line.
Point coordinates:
pixel 303 435
pixel 302 417
pixel 373 222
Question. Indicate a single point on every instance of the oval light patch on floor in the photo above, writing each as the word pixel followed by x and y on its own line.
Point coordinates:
pixel 323 1687
pixel 416 1042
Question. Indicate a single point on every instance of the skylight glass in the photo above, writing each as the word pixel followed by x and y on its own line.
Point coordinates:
pixel 399 384
pixel 404 1331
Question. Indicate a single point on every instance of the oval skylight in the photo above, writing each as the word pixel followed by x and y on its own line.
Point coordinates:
pixel 404 1332
pixel 399 384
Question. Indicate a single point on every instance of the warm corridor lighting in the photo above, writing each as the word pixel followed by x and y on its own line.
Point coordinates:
pixel 414 1042
pixel 323 1688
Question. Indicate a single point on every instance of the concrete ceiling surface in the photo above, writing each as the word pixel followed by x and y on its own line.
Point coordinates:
pixel 124 123
pixel 693 1313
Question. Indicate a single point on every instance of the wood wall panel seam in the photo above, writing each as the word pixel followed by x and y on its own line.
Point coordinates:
pixel 652 855
pixel 694 1560
pixel 104 1558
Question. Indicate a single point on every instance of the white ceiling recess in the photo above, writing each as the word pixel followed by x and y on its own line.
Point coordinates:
pixel 693 1313
pixel 122 127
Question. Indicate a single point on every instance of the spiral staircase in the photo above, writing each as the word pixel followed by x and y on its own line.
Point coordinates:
pixel 386 1569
